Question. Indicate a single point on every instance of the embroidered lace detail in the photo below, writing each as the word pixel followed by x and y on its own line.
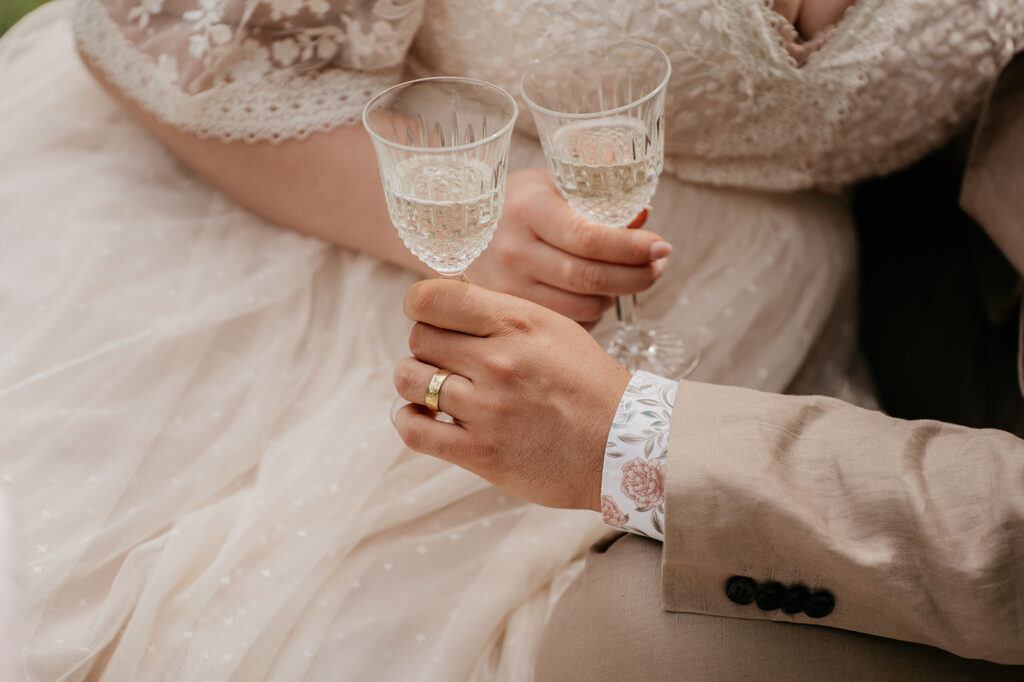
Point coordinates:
pixel 215 71
pixel 892 80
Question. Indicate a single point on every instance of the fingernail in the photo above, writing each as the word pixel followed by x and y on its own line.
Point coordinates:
pixel 659 266
pixel 660 250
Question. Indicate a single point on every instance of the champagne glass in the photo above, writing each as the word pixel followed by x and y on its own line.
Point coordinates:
pixel 442 149
pixel 599 107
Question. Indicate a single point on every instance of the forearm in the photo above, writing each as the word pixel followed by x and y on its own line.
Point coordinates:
pixel 325 185
pixel 887 515
pixel 818 502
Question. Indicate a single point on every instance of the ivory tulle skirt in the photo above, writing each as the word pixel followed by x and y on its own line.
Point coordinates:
pixel 194 411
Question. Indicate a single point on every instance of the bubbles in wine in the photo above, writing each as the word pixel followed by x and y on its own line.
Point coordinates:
pixel 445 210
pixel 607 168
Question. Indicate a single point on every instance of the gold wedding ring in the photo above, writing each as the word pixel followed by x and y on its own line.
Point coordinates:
pixel 434 388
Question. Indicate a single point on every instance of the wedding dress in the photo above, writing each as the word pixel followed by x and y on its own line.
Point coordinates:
pixel 193 402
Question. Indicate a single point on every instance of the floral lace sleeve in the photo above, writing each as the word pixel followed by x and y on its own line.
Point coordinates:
pixel 633 481
pixel 249 69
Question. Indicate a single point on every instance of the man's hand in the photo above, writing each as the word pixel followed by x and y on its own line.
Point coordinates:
pixel 533 395
pixel 545 252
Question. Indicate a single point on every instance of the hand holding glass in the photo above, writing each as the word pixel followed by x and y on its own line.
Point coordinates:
pixel 599 109
pixel 442 148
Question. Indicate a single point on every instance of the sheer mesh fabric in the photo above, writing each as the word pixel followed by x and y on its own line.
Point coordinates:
pixel 193 402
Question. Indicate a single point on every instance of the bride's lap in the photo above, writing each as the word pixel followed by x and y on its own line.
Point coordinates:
pixel 194 412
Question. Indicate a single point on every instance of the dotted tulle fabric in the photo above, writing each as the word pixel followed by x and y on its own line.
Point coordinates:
pixel 894 79
pixel 193 418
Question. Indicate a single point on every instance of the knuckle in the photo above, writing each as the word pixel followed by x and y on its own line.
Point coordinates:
pixel 417 338
pixel 590 309
pixel 508 255
pixel 520 321
pixel 516 208
pixel 593 277
pixel 413 435
pixel 503 367
pixel 421 297
pixel 403 377
pixel 522 204
pixel 568 274
pixel 588 240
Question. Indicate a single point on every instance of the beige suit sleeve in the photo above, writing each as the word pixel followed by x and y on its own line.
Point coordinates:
pixel 916 528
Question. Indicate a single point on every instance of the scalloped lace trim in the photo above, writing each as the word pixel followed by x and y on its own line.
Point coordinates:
pixel 287 105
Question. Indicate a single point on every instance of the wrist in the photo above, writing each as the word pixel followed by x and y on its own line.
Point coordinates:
pixel 618 384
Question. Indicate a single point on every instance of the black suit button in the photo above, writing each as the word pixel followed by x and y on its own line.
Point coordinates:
pixel 741 590
pixel 769 597
pixel 819 604
pixel 793 600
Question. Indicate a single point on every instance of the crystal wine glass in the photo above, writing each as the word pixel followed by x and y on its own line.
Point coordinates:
pixel 442 149
pixel 599 107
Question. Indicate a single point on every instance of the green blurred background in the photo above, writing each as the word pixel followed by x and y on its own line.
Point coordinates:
pixel 12 10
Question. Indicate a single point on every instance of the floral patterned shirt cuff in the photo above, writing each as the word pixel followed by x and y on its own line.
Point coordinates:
pixel 633 480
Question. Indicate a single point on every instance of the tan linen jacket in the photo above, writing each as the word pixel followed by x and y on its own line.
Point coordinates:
pixel 914 529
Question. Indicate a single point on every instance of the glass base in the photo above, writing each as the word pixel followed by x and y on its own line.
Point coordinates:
pixel 668 355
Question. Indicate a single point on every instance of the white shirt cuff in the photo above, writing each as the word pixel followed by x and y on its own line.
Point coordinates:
pixel 633 479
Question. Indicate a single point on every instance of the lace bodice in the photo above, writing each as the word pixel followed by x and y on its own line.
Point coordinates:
pixel 893 80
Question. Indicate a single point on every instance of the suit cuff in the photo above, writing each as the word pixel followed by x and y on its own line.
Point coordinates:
pixel 633 478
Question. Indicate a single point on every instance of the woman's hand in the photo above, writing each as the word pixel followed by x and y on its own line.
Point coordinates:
pixel 533 395
pixel 328 186
pixel 545 252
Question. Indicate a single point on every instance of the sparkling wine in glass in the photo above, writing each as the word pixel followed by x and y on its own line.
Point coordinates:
pixel 599 107
pixel 442 149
